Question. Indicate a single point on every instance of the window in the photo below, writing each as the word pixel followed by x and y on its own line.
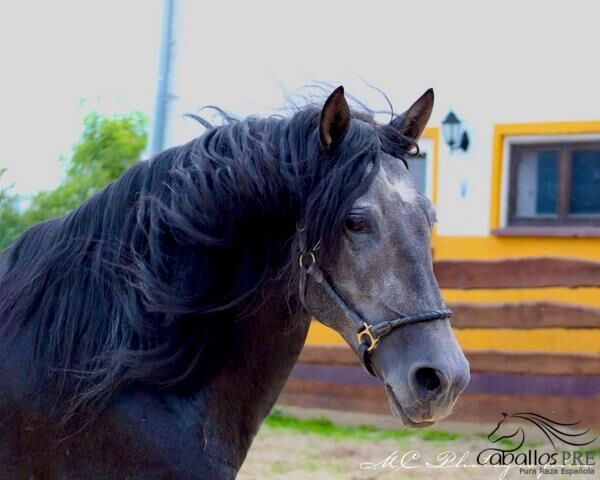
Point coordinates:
pixel 422 166
pixel 417 166
pixel 554 185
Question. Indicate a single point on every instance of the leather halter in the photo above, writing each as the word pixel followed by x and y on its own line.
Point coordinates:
pixel 368 335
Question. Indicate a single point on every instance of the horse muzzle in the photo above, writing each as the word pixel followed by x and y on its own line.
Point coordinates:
pixel 428 395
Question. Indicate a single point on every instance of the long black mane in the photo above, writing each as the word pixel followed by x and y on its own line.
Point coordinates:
pixel 137 283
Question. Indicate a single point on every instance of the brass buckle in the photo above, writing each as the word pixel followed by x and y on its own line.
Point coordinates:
pixel 366 330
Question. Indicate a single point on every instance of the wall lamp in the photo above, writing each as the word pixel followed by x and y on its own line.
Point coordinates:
pixel 454 133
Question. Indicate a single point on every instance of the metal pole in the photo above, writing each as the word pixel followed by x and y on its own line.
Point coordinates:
pixel 163 94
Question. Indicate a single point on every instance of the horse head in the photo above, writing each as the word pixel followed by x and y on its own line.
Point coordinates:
pixel 504 430
pixel 377 287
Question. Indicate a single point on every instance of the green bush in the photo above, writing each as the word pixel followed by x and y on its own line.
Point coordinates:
pixel 108 147
pixel 11 220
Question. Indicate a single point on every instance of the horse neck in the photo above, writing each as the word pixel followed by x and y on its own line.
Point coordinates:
pixel 255 368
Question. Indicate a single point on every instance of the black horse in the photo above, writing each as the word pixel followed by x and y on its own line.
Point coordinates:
pixel 146 334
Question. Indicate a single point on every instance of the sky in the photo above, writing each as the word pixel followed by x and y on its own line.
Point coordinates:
pixel 62 59
pixel 520 58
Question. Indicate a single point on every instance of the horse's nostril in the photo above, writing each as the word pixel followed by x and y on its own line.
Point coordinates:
pixel 428 378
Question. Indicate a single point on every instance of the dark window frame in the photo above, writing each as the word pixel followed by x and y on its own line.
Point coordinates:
pixel 562 219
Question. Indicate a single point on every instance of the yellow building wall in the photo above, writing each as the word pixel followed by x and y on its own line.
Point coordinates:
pixel 557 340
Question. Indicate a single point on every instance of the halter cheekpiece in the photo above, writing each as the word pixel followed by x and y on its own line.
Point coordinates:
pixel 368 336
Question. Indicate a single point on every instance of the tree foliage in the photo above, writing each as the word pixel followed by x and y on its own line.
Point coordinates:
pixel 107 147
pixel 11 221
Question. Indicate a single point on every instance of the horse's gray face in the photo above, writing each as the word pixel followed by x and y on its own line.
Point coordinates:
pixel 383 269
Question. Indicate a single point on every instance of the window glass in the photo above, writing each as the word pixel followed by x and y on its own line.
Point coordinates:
pixel 537 184
pixel 585 182
pixel 417 166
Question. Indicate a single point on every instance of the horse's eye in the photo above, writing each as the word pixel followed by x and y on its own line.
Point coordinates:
pixel 357 224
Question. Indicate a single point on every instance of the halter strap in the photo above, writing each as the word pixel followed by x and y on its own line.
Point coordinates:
pixel 368 335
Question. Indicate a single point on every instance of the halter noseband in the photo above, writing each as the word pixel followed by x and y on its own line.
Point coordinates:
pixel 368 335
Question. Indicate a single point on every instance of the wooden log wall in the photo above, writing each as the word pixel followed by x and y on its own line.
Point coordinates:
pixel 554 368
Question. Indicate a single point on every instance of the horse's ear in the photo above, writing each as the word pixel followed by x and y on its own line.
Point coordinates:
pixel 335 119
pixel 412 122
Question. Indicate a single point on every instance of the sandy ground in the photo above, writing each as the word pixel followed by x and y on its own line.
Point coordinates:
pixel 287 454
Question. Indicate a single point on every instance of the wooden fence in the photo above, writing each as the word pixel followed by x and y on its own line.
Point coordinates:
pixel 541 356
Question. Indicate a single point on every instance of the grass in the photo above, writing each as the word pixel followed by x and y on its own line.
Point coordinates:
pixel 594 451
pixel 326 428
pixel 504 441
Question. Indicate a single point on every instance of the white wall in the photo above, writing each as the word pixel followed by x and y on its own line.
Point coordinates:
pixel 491 62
